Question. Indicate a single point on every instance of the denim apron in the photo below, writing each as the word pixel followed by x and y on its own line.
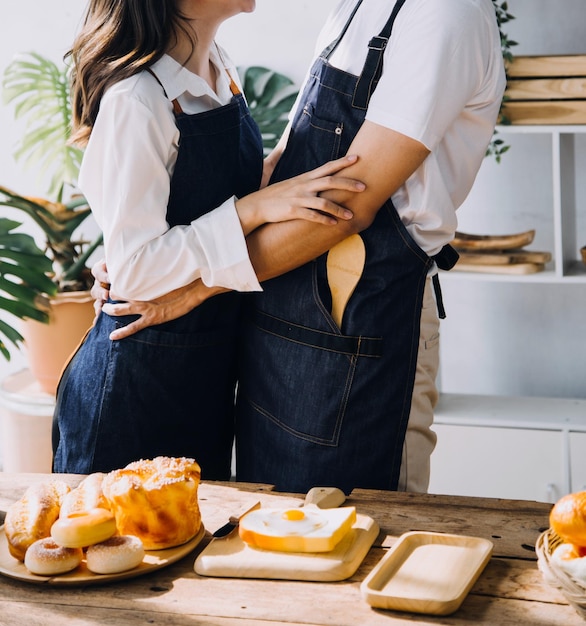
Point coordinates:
pixel 320 405
pixel 169 389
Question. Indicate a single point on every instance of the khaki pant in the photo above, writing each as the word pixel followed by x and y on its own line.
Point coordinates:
pixel 420 439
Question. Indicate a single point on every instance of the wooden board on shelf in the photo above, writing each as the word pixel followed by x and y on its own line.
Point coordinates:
pixel 555 65
pixel 554 112
pixel 546 90
pixel 511 268
pixel 505 257
pixel 472 242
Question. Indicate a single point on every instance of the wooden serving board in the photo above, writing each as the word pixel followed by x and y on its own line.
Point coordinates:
pixel 232 558
pixel 471 242
pixel 493 268
pixel 506 257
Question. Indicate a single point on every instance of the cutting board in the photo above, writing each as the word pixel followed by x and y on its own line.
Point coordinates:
pixel 233 558
pixel 511 268
pixel 504 257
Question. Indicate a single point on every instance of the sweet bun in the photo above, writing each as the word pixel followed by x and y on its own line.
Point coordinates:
pixel 86 496
pixel 46 558
pixel 84 528
pixel 156 500
pixel 117 554
pixel 568 518
pixel 31 517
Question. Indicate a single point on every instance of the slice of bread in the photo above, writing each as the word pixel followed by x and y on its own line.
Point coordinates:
pixel 305 529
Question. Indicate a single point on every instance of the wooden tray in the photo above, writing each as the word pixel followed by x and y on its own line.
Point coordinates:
pixel 233 558
pixel 427 573
pixel 153 560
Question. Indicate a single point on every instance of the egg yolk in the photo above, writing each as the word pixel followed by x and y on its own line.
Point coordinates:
pixel 293 515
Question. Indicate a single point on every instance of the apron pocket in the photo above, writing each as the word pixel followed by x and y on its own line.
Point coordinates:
pixel 308 398
pixel 324 133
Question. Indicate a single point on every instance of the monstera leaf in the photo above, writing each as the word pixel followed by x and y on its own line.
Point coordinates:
pixel 270 97
pixel 23 279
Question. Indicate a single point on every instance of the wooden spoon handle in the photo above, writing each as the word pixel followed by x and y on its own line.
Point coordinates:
pixel 345 263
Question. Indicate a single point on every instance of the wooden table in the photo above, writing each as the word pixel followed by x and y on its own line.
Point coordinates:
pixel 510 591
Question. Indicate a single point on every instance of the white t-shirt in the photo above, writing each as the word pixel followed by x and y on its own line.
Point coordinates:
pixel 125 176
pixel 442 84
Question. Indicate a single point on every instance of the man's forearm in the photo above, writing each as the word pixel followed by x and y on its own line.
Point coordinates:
pixel 386 160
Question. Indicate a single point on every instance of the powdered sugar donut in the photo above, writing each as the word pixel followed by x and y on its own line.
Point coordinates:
pixel 117 554
pixel 46 558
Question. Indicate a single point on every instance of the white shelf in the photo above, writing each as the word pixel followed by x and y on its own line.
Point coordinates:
pixel 524 447
pixel 576 273
pixel 520 129
pixel 566 266
pixel 512 412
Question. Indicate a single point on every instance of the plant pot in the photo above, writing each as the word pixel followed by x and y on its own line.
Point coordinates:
pixel 26 417
pixel 49 346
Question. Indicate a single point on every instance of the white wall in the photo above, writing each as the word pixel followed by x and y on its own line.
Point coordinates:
pixel 492 335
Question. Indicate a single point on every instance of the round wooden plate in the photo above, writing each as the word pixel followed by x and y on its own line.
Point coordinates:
pixel 153 560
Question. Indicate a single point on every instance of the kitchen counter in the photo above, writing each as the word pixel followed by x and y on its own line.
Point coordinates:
pixel 510 591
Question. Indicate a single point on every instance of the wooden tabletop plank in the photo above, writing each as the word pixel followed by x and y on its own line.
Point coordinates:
pixel 187 597
pixel 512 525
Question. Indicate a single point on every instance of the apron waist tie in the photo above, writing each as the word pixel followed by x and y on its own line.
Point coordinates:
pixel 438 297
pixel 445 259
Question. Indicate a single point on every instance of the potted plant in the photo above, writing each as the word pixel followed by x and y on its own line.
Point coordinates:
pixel 39 89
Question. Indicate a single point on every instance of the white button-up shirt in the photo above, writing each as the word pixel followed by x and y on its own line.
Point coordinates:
pixel 125 176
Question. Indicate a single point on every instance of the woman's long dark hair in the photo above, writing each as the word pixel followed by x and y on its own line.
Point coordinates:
pixel 118 39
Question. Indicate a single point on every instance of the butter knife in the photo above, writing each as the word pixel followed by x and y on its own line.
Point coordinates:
pixel 234 520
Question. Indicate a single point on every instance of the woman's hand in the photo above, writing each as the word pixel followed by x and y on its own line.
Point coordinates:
pixel 299 198
pixel 164 309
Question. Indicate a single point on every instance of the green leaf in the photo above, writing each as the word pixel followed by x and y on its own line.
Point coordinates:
pixel 270 96
pixel 12 335
pixel 22 310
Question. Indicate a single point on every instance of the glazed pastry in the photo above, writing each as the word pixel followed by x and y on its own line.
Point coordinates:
pixel 31 517
pixel 156 500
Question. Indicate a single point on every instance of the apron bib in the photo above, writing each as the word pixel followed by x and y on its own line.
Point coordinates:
pixel 169 389
pixel 320 405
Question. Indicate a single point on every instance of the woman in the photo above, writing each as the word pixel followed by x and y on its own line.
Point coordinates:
pixel 172 162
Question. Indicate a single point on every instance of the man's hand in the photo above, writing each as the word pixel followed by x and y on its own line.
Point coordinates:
pixel 163 309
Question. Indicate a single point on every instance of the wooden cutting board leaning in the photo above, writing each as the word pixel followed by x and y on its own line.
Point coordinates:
pixel 231 557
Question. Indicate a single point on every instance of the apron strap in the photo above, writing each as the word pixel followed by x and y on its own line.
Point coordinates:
pixel 373 66
pixel 445 259
pixel 176 106
pixel 328 51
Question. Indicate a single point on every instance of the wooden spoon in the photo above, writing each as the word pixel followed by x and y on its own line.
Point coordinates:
pixel 344 264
